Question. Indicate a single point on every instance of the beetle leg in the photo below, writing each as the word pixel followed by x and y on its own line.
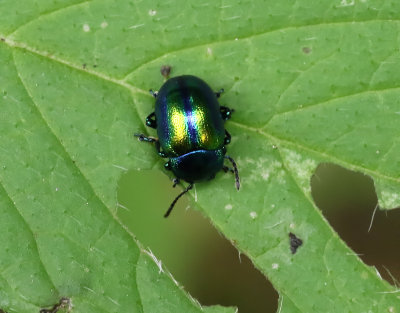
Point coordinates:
pixel 219 92
pixel 153 93
pixel 151 120
pixel 226 112
pixel 142 137
pixel 235 170
pixel 177 198
pixel 158 148
pixel 149 139
pixel 227 139
pixel 227 169
pixel 176 182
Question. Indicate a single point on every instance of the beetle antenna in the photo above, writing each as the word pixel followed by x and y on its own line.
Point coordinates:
pixel 237 181
pixel 176 200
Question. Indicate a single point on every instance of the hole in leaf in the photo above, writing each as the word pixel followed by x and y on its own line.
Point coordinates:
pixel 348 200
pixel 199 258
pixel 295 243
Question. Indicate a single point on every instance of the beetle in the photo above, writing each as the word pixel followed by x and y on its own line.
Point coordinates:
pixel 190 128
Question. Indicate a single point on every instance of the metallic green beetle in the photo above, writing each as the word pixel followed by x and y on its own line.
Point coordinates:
pixel 191 133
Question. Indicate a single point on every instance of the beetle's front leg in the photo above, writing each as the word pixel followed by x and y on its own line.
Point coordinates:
pixel 151 120
pixel 153 93
pixel 149 139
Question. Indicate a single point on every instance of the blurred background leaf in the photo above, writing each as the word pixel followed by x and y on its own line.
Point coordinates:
pixel 310 83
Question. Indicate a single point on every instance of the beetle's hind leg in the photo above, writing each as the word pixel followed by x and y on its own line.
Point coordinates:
pixel 156 142
pixel 226 112
pixel 227 139
pixel 176 181
pixel 151 120
pixel 227 169
pixel 235 171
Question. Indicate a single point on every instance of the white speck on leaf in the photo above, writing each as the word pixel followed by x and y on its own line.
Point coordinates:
pixel 153 257
pixel 253 215
pixel 265 175
pixel 136 26
pixel 377 273
pixel 23 297
pixel 174 280
pixel 354 254
pixel 152 12
pixel 228 207
pixel 274 225
pixel 302 168
pixel 57 189
pixel 346 3
pixel 275 266
pixel 292 225
pixel 97 250
pixel 372 217
pixel 235 17
pixel 86 28
pixel 113 301
pixel 104 24
pixel 265 169
pixel 390 200
pixel 89 289
pixel 120 167
pixel 209 51
pixel 122 207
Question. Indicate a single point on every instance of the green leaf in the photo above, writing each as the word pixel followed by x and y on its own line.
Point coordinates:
pixel 309 82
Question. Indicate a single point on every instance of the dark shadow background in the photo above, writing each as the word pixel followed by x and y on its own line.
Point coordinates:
pixel 210 268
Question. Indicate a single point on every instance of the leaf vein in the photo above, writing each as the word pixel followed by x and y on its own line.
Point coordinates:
pixel 247 37
pixel 329 101
pixel 339 161
pixel 61 144
pixel 31 233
